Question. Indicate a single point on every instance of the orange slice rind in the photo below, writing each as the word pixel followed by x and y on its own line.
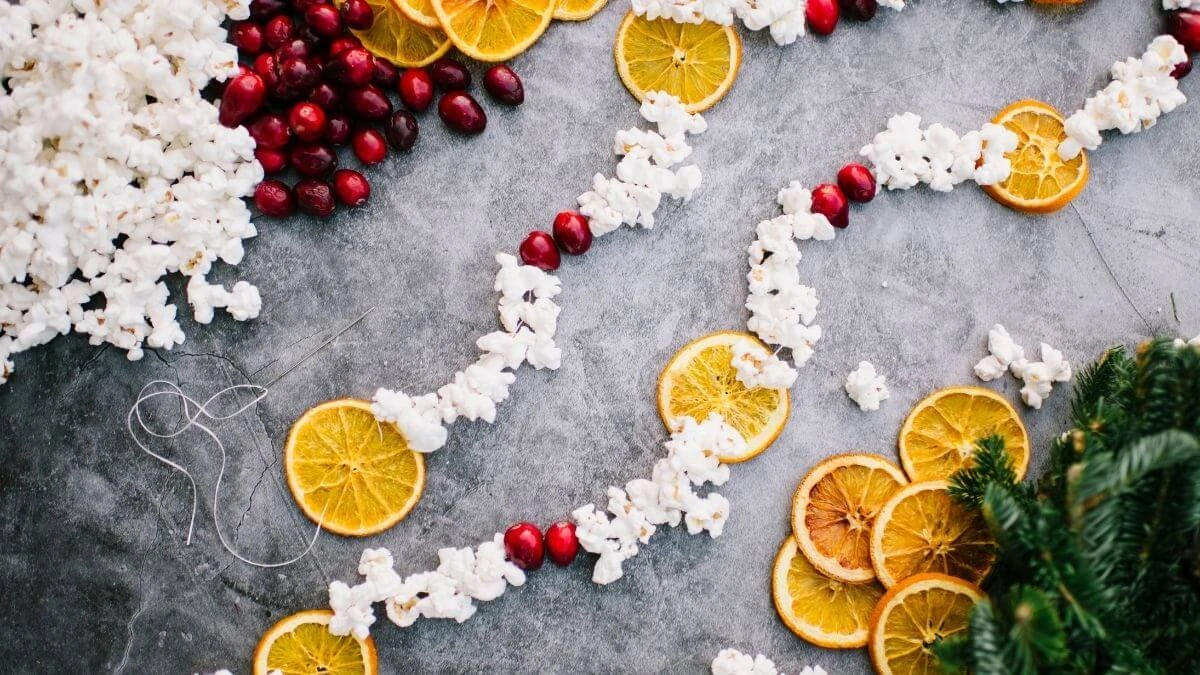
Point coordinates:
pixel 698 63
pixel 302 643
pixel 940 434
pixel 824 611
pixel 494 30
pixel 1040 182
pixel 913 616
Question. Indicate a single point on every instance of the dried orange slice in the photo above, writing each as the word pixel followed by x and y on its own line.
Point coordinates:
pixel 302 643
pixel 698 63
pixel 824 611
pixel 922 529
pixel 940 433
pixel 834 509
pixel 349 472
pixel 913 616
pixel 700 379
pixel 399 39
pixel 578 10
pixel 494 30
pixel 1040 182
pixel 419 11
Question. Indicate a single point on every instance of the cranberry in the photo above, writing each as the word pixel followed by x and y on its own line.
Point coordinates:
pixel 857 183
pixel 450 74
pixel 369 146
pixel 539 250
pixel 325 96
pixel 324 19
pixel 279 31
pixel 243 96
pixel 292 49
pixel 829 201
pixel 461 113
pixel 352 67
pixel 337 129
pixel 270 131
pixel 862 10
pixel 274 199
pixel 1182 70
pixel 357 14
pixel 416 89
pixel 343 43
pixel 315 197
pixel 385 74
pixel 307 121
pixel 264 67
pixel 503 84
pixel 301 5
pixel 273 161
pixel 265 9
pixel 350 187
pixel 299 75
pixel 822 16
pixel 561 543
pixel 402 130
pixel 248 37
pixel 572 233
pixel 369 102
pixel 523 544
pixel 313 38
pixel 1185 26
pixel 313 159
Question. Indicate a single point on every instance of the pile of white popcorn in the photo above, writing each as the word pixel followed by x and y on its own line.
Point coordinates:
pixel 644 173
pixel 529 317
pixel 115 171
pixel 904 156
pixel 866 387
pixel 1141 91
pixel 1038 376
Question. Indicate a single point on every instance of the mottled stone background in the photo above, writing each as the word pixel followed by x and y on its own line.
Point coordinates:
pixel 94 573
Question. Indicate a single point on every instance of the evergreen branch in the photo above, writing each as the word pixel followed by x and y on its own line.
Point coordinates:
pixel 1111 474
pixel 992 466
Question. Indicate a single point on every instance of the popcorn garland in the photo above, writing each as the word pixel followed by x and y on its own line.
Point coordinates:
pixel 467 575
pixel 732 662
pixel 106 192
pixel 865 387
pixel 1039 376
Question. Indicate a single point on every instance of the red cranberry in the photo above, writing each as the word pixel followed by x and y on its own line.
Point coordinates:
pixel 385 74
pixel 324 19
pixel 351 67
pixel 862 10
pixel 350 187
pixel 265 9
pixel 325 96
pixel 243 96
pixel 461 113
pixel 369 102
pixel 274 199
pixel 264 67
pixel 561 543
pixel 343 43
pixel 416 89
pixel 313 38
pixel 357 14
pixel 293 49
pixel 313 160
pixel 273 161
pixel 315 197
pixel 1185 26
pixel 337 129
pixel 539 250
pixel 829 201
pixel 857 183
pixel 1182 70
pixel 307 121
pixel 299 75
pixel 279 31
pixel 503 84
pixel 450 74
pixel 248 37
pixel 572 233
pixel 822 16
pixel 402 130
pixel 270 131
pixel 369 146
pixel 301 5
pixel 523 544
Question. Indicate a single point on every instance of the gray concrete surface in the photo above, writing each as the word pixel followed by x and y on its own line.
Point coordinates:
pixel 94 572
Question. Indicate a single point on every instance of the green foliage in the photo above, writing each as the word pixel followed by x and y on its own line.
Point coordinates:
pixel 1098 569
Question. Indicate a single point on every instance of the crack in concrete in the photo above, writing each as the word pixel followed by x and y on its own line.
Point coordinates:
pixel 250 502
pixel 1109 269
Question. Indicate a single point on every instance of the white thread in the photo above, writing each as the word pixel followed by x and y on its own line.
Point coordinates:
pixel 192 420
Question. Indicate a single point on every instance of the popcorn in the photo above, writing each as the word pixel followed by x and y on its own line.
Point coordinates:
pixel 352 613
pixel 733 662
pixel 1003 351
pixel 865 387
pixel 108 192
pixel 418 419
pixel 756 368
pixel 1038 376
pixel 904 156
